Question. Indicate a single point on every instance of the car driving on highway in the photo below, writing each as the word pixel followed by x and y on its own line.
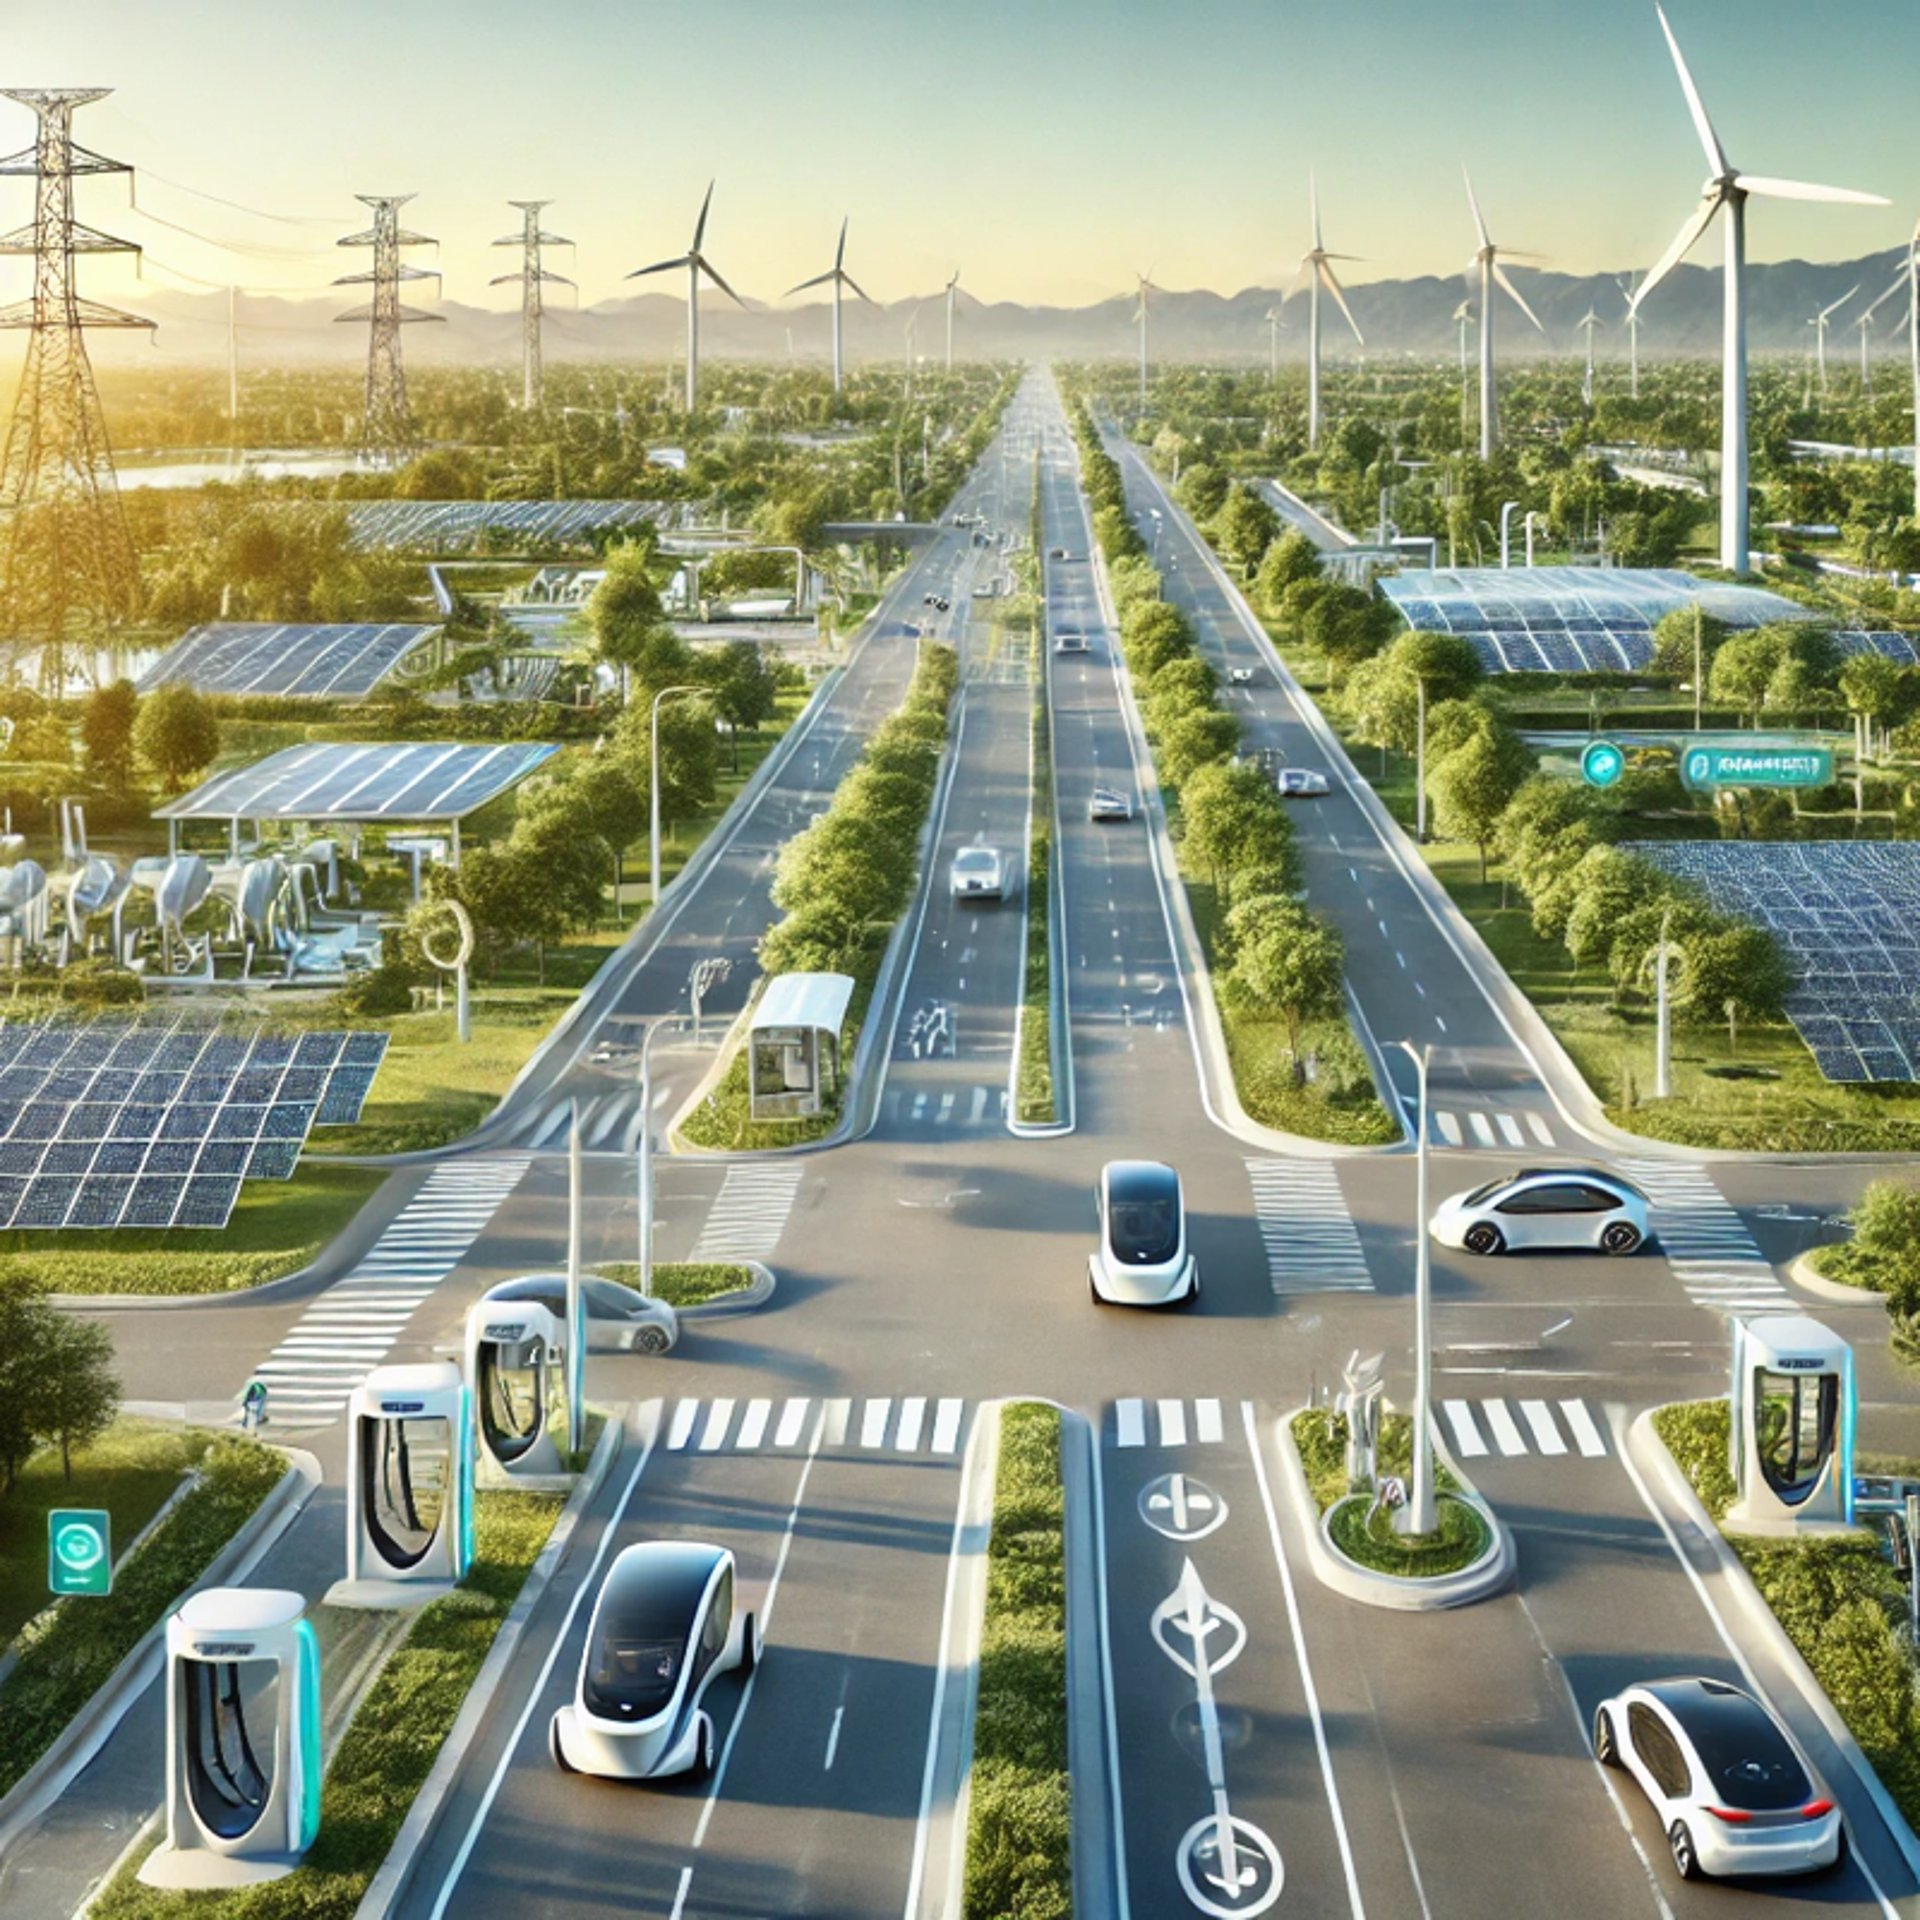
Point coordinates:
pixel 664 1628
pixel 1109 803
pixel 1300 783
pixel 1540 1207
pixel 1069 640
pixel 979 873
pixel 1143 1259
pixel 1240 676
pixel 1727 1782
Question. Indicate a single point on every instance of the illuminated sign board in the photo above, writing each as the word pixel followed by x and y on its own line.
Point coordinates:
pixel 1757 766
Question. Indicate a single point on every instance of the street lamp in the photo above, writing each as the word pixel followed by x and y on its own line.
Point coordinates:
pixel 653 780
pixel 1418 1516
pixel 1506 530
pixel 1532 516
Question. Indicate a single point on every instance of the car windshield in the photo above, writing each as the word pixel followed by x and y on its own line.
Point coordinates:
pixel 1746 1757
pixel 976 860
pixel 1143 1215
pixel 1481 1194
pixel 631 1679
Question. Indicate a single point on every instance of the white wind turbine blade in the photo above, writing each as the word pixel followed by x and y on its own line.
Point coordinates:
pixel 1696 224
pixel 1313 195
pixel 1473 200
pixel 659 266
pixel 840 252
pixel 1333 287
pixel 700 225
pixel 1513 293
pixel 860 290
pixel 1765 189
pixel 706 266
pixel 1709 140
pixel 1828 312
pixel 1300 279
pixel 1899 286
pixel 818 280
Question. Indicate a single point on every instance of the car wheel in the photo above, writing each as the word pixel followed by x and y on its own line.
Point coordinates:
pixel 1839 1852
pixel 554 1747
pixel 1685 1861
pixel 1485 1238
pixel 651 1339
pixel 702 1767
pixel 749 1641
pixel 1606 1749
pixel 1621 1237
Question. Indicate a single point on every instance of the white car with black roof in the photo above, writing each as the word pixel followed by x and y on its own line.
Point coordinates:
pixel 1538 1208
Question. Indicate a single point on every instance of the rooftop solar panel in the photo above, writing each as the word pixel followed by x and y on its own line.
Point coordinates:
pixel 454 525
pixel 301 662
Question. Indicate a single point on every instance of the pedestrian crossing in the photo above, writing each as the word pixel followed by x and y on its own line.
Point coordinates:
pixel 947 1107
pixel 749 1213
pixel 1475 1127
pixel 1707 1244
pixel 350 1329
pixel 1167 1423
pixel 914 1423
pixel 1552 1429
pixel 1312 1244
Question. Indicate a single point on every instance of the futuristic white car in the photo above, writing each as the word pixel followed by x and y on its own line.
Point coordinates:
pixel 1108 803
pixel 1300 783
pixel 1575 1207
pixel 1730 1787
pixel 1240 676
pixel 1143 1259
pixel 1069 640
pixel 979 873
pixel 664 1629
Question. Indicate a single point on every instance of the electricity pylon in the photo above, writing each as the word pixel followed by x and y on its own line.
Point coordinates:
pixel 386 422
pixel 532 306
pixel 68 552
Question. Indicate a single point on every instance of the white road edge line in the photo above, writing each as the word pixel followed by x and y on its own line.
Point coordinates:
pixel 1300 1654
pixel 1115 1812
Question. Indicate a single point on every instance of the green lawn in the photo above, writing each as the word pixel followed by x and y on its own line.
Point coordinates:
pixel 1460 1539
pixel 682 1283
pixel 277 1227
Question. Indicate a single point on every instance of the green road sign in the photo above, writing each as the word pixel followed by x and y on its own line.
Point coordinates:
pixel 79 1550
pixel 1757 766
pixel 1602 764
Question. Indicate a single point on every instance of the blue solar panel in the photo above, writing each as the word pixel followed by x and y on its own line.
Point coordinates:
pixel 445 526
pixel 297 662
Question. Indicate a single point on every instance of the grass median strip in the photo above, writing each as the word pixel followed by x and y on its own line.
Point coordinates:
pixel 1036 1100
pixel 1019 1825
pixel 395 1736
pixel 1461 1538
pixel 682 1283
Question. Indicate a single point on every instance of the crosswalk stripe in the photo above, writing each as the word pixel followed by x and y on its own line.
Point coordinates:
pixel 913 1413
pixel 753 1424
pixel 1510 1129
pixel 680 1429
pixel 1541 1131
pixel 1482 1128
pixel 1173 1423
pixel 1207 1424
pixel 1500 1423
pixel 1130 1423
pixel 946 1426
pixel 793 1417
pixel 836 1415
pixel 749 1213
pixel 719 1418
pixel 1449 1124
pixel 873 1423
pixel 1466 1435
pixel 1580 1423
pixel 1546 1436
pixel 1311 1242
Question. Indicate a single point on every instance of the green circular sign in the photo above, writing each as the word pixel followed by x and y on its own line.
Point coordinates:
pixel 79 1546
pixel 1602 764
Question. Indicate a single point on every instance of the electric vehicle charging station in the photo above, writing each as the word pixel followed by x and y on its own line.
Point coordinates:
pixel 1791 1427
pixel 243 1740
pixel 410 1448
pixel 523 1359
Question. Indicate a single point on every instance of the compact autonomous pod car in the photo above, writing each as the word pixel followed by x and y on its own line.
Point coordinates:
pixel 1726 1780
pixel 979 873
pixel 1575 1207
pixel 1143 1259
pixel 664 1628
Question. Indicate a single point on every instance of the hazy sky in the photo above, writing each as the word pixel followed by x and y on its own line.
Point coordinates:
pixel 1046 147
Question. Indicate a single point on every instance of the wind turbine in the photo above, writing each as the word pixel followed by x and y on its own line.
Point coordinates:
pixel 1909 278
pixel 1728 188
pixel 1275 320
pixel 1315 273
pixel 1463 319
pixel 1145 288
pixel 1625 284
pixel 953 288
pixel 836 276
pixel 696 263
pixel 1587 326
pixel 1819 323
pixel 912 321
pixel 1486 261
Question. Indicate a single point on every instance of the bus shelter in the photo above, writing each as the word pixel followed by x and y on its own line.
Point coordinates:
pixel 793 1044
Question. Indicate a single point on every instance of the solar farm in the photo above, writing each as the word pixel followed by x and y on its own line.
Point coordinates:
pixel 1847 914
pixel 155 1122
pixel 1585 619
pixel 300 662
pixel 452 526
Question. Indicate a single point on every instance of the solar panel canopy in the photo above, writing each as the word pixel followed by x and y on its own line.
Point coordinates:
pixel 444 526
pixel 1586 619
pixel 331 780
pixel 298 662
pixel 1847 914
pixel 156 1122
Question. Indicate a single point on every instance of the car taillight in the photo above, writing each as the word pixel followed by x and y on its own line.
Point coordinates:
pixel 1816 1809
pixel 1731 1815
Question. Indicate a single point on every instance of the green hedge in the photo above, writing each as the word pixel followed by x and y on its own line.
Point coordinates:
pixel 395 1737
pixel 1036 1101
pixel 66 1660
pixel 1019 1822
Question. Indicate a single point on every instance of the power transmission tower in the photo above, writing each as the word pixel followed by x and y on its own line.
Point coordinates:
pixel 532 306
pixel 386 423
pixel 68 551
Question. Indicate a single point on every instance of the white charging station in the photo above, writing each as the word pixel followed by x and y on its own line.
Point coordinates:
pixel 522 1357
pixel 1790 1436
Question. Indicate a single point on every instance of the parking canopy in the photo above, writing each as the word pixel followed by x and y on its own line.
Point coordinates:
pixel 419 780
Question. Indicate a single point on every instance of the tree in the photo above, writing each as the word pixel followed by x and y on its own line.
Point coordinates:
pixel 629 625
pixel 1344 624
pixel 1673 637
pixel 1473 783
pixel 1291 558
pixel 1743 669
pixel 106 730
pixel 745 688
pixel 1288 963
pixel 1233 822
pixel 689 754
pixel 176 734
pixel 1180 685
pixel 1733 971
pixel 1202 490
pixel 1245 528
pixel 1607 885
pixel 1189 744
pixel 79 1396
pixel 604 798
pixel 1383 703
pixel 1443 663
pixel 1871 685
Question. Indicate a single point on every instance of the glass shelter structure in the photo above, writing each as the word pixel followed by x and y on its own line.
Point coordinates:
pixel 793 1044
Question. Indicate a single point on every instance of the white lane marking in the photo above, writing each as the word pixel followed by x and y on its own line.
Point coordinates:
pixel 1306 1671
pixel 1541 1131
pixel 1207 1424
pixel 1130 1423
pixel 913 1413
pixel 1438 1022
pixel 833 1737
pixel 1466 1435
pixel 719 1418
pixel 1419 989
pixel 1402 958
pixel 680 1898
pixel 873 1423
pixel 1173 1423
pixel 1382 925
pixel 1546 1436
pixel 1482 1127
pixel 836 1414
pixel 792 1416
pixel 946 1426
pixel 684 1416
pixel 1586 1436
pixel 1510 1129
pixel 753 1424
pixel 1506 1435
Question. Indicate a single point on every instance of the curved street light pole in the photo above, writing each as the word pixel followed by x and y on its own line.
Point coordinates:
pixel 1418 1516
pixel 653 788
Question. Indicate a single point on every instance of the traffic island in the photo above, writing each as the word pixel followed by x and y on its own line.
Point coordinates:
pixel 695 1287
pixel 1353 1545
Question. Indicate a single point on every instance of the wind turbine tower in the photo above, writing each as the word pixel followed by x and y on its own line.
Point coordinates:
pixel 953 291
pixel 1275 321
pixel 1317 272
pixel 1486 261
pixel 1146 288
pixel 1633 334
pixel 1727 188
pixel 836 276
pixel 532 276
pixel 1820 323
pixel 1587 326
pixel 696 263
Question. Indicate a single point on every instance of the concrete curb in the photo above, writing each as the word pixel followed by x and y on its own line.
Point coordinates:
pixel 1650 1454
pixel 92 1727
pixel 1492 1573
pixel 1097 1862
pixel 937 1887
pixel 1802 1275
pixel 384 1891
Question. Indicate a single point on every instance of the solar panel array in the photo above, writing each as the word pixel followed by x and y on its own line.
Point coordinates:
pixel 451 526
pixel 1581 619
pixel 1847 914
pixel 1896 646
pixel 155 1122
pixel 417 780
pixel 306 662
